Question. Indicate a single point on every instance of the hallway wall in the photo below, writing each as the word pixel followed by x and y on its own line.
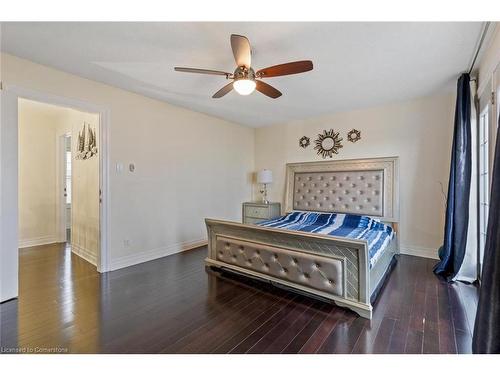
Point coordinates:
pixel 85 188
pixel 37 173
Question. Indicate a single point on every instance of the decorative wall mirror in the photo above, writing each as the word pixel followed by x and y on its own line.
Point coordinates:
pixel 328 143
pixel 354 136
pixel 304 142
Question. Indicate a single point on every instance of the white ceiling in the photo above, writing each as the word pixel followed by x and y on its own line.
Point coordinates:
pixel 356 65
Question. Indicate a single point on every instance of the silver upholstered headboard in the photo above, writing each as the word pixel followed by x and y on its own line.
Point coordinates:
pixel 357 186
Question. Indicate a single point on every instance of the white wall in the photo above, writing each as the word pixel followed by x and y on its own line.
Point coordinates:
pixel 188 165
pixel 37 173
pixel 85 191
pixel 418 131
pixel 8 198
pixel 490 57
pixel 489 81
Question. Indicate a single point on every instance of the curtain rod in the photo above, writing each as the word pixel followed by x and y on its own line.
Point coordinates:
pixel 480 44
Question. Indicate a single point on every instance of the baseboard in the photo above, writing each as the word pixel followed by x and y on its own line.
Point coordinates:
pixel 8 300
pixel 84 253
pixel 146 256
pixel 418 251
pixel 37 241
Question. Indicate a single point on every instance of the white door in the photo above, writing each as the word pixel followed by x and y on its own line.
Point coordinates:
pixel 484 177
pixel 67 186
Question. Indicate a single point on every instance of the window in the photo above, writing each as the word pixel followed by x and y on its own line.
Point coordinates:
pixel 484 184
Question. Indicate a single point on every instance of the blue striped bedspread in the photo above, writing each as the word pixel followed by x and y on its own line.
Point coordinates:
pixel 377 234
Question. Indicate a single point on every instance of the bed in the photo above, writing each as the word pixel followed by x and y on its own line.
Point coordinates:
pixel 337 239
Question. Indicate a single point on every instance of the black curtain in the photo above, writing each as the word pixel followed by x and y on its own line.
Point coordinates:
pixel 486 337
pixel 452 253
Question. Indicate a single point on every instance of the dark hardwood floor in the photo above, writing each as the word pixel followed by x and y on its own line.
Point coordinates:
pixel 173 305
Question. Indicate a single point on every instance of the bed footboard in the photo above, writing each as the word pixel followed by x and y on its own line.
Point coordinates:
pixel 334 268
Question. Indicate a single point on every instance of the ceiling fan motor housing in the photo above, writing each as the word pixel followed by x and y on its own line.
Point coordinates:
pixel 242 72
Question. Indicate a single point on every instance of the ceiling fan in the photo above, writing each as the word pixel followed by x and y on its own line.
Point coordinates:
pixel 244 79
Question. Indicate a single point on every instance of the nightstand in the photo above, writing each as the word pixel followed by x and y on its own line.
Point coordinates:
pixel 253 212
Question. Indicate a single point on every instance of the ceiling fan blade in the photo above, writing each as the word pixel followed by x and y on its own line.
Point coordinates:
pixel 267 89
pixel 201 71
pixel 285 69
pixel 223 91
pixel 241 50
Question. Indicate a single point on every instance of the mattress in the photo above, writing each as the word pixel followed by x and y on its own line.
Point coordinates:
pixel 377 234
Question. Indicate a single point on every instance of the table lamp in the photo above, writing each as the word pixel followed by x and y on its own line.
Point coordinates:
pixel 264 177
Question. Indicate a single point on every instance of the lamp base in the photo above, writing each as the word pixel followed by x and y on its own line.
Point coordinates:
pixel 264 194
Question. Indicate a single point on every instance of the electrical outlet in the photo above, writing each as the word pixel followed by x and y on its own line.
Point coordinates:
pixel 126 243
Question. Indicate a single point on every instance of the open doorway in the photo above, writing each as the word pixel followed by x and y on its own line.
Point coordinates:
pixel 59 182
pixel 10 280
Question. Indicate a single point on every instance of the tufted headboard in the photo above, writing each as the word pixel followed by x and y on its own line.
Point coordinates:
pixel 357 186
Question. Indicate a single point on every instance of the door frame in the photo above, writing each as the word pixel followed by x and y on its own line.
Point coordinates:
pixel 61 207
pixel 10 96
pixel 492 84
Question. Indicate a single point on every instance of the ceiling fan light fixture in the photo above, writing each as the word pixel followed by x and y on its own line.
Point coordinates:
pixel 244 86
pixel 244 80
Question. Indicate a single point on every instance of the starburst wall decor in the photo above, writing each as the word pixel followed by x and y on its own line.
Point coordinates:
pixel 304 142
pixel 354 136
pixel 328 143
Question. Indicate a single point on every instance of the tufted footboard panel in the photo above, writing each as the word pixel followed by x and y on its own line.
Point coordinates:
pixel 314 271
pixel 334 268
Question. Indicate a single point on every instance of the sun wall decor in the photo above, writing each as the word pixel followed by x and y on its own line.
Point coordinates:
pixel 328 143
pixel 304 142
pixel 354 136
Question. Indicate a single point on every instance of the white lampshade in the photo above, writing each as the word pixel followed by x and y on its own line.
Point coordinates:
pixel 265 176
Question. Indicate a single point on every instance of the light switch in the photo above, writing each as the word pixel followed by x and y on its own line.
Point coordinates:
pixel 119 167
